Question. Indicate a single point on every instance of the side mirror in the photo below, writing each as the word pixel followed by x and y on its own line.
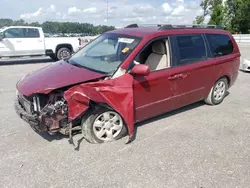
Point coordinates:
pixel 140 70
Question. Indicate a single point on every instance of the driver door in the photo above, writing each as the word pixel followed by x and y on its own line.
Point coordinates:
pixel 12 43
pixel 154 94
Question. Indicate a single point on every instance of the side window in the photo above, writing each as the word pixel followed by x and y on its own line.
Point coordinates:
pixel 32 33
pixel 191 49
pixel 156 55
pixel 220 44
pixel 14 33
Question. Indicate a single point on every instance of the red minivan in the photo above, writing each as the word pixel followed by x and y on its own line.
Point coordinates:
pixel 126 76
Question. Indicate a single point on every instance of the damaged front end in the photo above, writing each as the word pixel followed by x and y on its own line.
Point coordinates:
pixel 44 113
pixel 62 110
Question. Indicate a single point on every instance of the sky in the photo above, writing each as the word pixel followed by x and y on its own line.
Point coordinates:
pixel 119 14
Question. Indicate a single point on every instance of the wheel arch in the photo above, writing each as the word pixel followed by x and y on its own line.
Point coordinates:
pixel 64 45
pixel 94 106
pixel 227 77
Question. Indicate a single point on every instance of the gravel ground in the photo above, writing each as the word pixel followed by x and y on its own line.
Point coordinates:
pixel 198 146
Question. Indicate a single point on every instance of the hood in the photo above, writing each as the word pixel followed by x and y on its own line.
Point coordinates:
pixel 54 76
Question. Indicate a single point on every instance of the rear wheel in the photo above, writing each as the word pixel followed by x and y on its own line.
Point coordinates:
pixel 218 92
pixel 63 53
pixel 103 125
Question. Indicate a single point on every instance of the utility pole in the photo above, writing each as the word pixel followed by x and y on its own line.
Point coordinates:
pixel 107 10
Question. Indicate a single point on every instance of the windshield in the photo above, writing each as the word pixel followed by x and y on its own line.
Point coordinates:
pixel 105 53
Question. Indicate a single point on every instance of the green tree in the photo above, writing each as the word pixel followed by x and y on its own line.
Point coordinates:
pixel 5 22
pixel 206 8
pixel 217 13
pixel 238 15
pixel 61 27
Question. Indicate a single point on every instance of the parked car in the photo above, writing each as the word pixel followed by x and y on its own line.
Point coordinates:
pixel 126 76
pixel 245 65
pixel 16 41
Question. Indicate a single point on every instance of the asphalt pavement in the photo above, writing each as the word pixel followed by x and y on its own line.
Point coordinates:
pixel 198 146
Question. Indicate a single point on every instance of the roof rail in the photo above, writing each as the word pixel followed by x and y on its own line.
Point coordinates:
pixel 131 26
pixel 143 25
pixel 164 27
pixel 170 26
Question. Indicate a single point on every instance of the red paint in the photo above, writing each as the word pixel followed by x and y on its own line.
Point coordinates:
pixel 117 93
pixel 54 76
pixel 151 33
pixel 139 95
pixel 140 70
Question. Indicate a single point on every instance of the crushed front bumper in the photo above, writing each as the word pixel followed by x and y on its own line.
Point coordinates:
pixel 32 120
pixel 50 124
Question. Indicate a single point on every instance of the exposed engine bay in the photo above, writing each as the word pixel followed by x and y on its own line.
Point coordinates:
pixel 51 111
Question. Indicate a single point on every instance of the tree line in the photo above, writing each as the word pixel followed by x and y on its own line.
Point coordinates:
pixel 233 14
pixel 60 27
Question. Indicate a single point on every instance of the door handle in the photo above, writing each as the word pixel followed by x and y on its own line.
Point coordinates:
pixel 40 41
pixel 173 77
pixel 18 41
pixel 177 76
pixel 182 75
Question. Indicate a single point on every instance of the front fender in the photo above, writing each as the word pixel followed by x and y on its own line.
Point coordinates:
pixel 117 93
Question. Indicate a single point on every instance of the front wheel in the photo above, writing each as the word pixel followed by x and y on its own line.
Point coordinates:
pixel 218 92
pixel 103 125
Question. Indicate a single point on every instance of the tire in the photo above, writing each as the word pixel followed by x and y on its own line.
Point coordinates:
pixel 221 87
pixel 63 53
pixel 90 127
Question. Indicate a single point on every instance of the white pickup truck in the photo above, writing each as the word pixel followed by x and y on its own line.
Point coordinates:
pixel 18 41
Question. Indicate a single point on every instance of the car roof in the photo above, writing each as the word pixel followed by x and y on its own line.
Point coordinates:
pixel 139 32
pixel 33 27
pixel 156 30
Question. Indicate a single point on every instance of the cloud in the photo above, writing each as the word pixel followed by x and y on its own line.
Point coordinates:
pixel 52 8
pixel 73 10
pixel 144 9
pixel 180 1
pixel 119 12
pixel 167 8
pixel 90 10
pixel 178 11
pixel 30 15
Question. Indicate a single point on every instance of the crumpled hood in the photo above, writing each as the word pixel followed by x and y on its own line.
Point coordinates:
pixel 54 76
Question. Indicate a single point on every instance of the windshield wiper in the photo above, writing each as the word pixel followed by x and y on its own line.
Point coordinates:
pixel 77 65
pixel 73 63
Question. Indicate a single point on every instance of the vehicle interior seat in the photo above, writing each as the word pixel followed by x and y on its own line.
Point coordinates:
pixel 158 58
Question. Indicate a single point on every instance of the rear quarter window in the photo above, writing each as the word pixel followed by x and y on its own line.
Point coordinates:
pixel 220 44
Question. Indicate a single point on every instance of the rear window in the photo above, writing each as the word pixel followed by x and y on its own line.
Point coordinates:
pixel 191 49
pixel 220 45
pixel 32 33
